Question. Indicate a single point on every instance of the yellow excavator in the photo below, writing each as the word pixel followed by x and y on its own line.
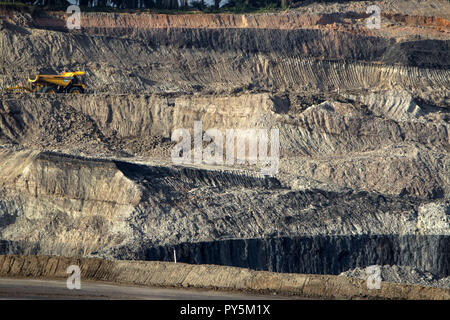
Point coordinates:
pixel 67 82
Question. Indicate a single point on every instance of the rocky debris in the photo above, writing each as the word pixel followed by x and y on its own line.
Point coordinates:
pixel 434 218
pixel 402 274
pixel 411 8
pixel 399 106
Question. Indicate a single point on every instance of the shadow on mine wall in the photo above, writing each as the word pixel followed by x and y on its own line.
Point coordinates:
pixel 311 254
pixel 316 254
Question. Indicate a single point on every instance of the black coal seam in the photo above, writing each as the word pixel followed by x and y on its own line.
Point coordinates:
pixel 315 254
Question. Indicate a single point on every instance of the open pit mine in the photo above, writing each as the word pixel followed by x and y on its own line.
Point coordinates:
pixel 363 122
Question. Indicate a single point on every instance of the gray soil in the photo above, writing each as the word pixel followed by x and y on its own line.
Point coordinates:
pixel 402 274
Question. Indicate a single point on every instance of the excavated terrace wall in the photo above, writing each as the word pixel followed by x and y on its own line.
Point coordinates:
pixel 386 135
pixel 316 254
pixel 223 60
pixel 211 277
pixel 121 210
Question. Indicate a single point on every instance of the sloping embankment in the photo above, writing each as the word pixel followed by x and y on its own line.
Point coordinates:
pixel 147 56
pixel 168 274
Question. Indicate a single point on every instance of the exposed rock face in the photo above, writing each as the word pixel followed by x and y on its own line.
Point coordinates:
pixel 190 60
pixel 316 254
pixel 140 206
pixel 363 119
pixel 343 143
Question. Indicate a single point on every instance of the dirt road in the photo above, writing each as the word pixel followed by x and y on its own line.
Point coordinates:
pixel 56 289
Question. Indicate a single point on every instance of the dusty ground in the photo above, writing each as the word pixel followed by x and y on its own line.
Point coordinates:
pixel 363 116
pixel 27 289
pixel 240 282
